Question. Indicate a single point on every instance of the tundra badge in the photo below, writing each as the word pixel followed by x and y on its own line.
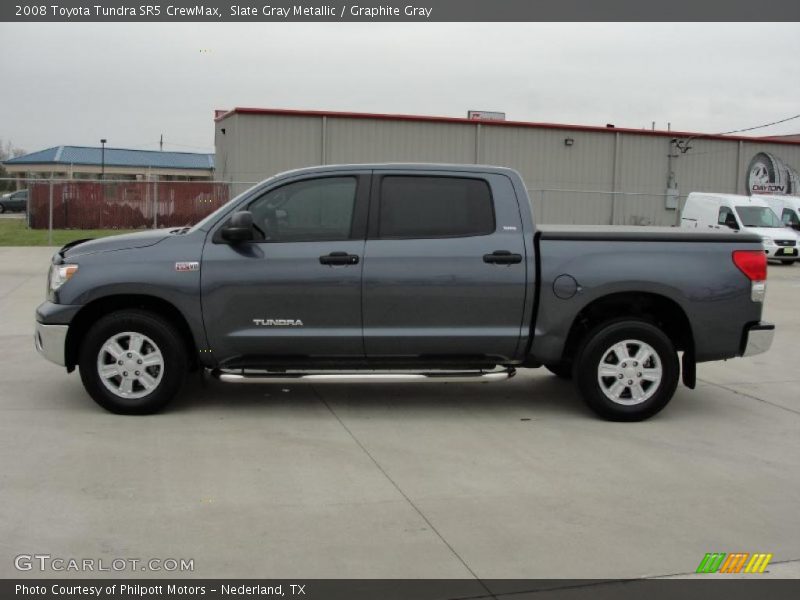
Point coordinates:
pixel 278 322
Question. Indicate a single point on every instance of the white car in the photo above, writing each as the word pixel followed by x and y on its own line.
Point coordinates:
pixel 742 213
pixel 787 209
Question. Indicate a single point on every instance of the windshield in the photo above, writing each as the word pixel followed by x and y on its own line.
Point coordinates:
pixel 757 216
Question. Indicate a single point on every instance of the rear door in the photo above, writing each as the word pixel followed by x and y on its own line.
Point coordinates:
pixel 293 294
pixel 444 269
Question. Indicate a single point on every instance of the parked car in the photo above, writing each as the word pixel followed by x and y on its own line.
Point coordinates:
pixel 741 213
pixel 401 273
pixel 787 209
pixel 14 201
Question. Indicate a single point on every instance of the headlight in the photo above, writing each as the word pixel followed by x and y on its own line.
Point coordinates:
pixel 767 241
pixel 61 274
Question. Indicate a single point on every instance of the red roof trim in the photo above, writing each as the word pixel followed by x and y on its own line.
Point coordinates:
pixel 219 115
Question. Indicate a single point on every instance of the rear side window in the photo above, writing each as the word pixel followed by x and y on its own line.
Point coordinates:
pixel 432 207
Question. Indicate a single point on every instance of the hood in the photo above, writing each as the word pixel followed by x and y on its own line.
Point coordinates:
pixel 776 233
pixel 126 241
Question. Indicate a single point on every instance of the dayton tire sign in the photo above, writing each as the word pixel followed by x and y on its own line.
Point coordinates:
pixel 768 174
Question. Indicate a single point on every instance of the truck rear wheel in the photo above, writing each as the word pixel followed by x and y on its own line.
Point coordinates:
pixel 627 370
pixel 132 362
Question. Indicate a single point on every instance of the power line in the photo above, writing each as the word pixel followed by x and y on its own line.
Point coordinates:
pixel 760 126
pixel 683 145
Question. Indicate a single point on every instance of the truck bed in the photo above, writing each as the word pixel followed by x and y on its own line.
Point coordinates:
pixel 642 234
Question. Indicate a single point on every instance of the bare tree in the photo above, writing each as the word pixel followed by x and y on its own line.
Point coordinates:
pixel 7 150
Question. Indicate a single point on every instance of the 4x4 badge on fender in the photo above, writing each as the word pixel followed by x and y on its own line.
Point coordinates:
pixel 187 266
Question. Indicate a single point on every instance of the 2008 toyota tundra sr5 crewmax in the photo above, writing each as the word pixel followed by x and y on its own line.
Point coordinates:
pixel 401 273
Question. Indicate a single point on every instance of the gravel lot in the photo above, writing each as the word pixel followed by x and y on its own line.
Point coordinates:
pixel 506 480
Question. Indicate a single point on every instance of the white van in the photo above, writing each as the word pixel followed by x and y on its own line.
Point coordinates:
pixel 786 207
pixel 741 213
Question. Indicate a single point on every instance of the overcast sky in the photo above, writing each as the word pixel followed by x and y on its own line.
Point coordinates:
pixel 76 83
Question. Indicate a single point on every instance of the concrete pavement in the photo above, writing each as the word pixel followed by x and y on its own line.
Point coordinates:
pixel 509 480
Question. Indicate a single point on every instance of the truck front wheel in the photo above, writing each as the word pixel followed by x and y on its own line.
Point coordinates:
pixel 132 362
pixel 627 370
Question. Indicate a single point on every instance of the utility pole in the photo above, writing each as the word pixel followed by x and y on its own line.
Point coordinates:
pixel 161 143
pixel 103 158
pixel 671 199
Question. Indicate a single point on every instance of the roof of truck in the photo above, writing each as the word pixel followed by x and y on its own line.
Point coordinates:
pixel 412 166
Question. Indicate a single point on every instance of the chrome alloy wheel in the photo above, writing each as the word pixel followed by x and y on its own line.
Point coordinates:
pixel 629 372
pixel 130 364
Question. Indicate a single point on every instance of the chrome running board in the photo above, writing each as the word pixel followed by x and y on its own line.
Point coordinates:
pixel 250 376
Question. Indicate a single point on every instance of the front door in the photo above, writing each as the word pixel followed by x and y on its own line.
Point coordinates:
pixel 294 292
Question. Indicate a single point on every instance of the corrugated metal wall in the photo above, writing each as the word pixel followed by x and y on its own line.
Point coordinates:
pixel 372 140
pixel 789 153
pixel 547 163
pixel 601 177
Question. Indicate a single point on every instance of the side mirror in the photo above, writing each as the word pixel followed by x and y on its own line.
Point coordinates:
pixel 239 228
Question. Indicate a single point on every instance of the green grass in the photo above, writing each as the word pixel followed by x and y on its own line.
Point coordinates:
pixel 14 232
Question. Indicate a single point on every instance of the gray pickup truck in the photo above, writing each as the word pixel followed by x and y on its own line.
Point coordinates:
pixel 401 273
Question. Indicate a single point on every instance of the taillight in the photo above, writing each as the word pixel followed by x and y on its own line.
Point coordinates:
pixel 753 263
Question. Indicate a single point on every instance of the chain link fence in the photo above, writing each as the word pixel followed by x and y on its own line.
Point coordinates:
pixel 600 207
pixel 121 205
pixel 77 204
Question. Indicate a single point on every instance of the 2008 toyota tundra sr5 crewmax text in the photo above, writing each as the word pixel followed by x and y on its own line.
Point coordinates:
pixel 399 273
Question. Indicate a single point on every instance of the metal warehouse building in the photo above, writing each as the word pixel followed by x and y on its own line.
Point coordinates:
pixel 575 174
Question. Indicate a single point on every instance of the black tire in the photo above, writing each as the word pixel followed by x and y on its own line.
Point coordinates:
pixel 787 262
pixel 598 346
pixel 763 169
pixel 2 209
pixel 561 370
pixel 157 333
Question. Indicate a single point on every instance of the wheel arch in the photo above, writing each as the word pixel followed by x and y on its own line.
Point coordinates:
pixel 654 308
pixel 100 307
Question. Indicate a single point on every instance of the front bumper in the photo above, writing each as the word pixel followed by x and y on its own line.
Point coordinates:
pixel 776 252
pixel 758 338
pixel 50 341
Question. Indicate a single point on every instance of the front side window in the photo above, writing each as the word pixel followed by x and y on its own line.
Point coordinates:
pixel 727 218
pixel 310 210
pixel 757 216
pixel 433 207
